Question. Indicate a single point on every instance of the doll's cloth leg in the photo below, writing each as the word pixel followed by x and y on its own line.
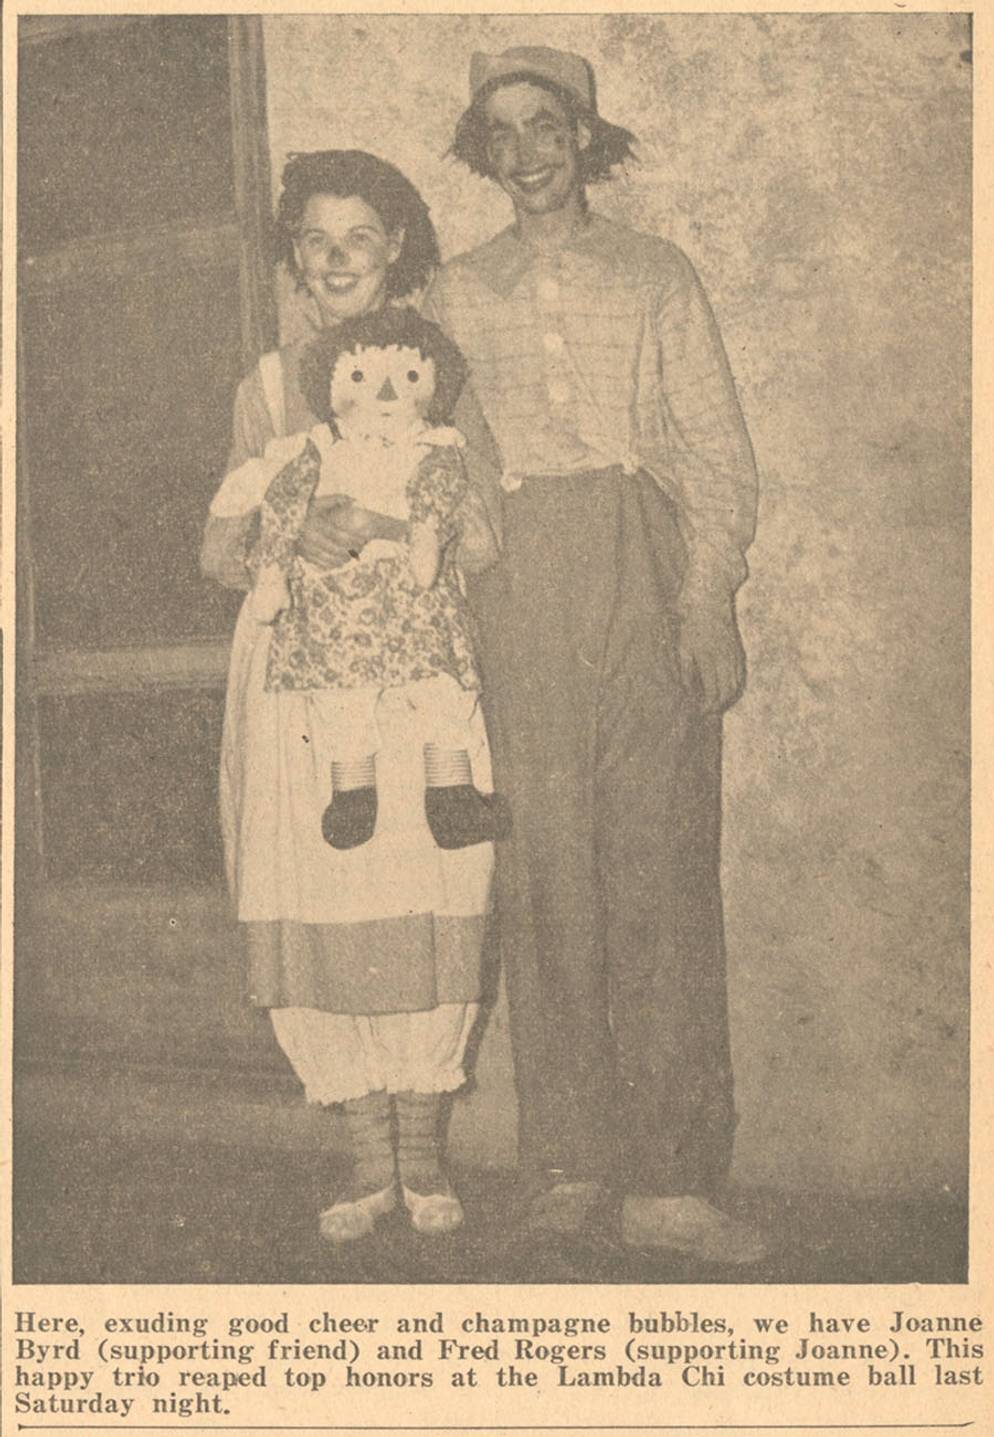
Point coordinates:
pixel 445 713
pixel 458 815
pixel 342 724
pixel 344 732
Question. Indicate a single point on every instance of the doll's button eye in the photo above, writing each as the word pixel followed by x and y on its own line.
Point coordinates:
pixel 413 376
pixel 357 376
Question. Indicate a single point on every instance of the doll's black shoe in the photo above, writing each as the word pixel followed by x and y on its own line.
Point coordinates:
pixel 460 816
pixel 350 818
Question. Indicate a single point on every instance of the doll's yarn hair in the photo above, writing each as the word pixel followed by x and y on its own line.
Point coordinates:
pixel 348 173
pixel 394 326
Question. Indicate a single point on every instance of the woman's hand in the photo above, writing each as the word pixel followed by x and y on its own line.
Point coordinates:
pixel 366 524
pixel 336 531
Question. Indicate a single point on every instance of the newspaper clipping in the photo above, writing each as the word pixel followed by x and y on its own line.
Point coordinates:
pixel 497 941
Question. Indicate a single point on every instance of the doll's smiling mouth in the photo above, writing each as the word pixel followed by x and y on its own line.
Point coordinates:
pixel 338 283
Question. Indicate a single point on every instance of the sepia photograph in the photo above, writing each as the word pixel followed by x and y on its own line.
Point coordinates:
pixel 545 860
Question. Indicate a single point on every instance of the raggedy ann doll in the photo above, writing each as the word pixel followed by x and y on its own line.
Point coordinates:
pixel 394 619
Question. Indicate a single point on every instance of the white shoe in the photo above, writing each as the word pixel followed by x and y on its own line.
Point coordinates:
pixel 435 1213
pixel 690 1225
pixel 565 1207
pixel 349 1221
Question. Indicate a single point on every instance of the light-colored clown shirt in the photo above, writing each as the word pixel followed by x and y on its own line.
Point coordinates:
pixel 607 353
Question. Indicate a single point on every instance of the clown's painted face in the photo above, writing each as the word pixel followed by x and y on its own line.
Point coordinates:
pixel 533 148
pixel 382 390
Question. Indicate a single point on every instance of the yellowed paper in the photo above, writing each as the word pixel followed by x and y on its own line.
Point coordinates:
pixel 826 171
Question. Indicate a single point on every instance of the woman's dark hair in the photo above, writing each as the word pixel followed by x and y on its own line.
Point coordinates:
pixel 609 145
pixel 391 326
pixel 382 187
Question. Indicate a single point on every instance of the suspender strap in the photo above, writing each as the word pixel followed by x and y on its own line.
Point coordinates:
pixel 271 372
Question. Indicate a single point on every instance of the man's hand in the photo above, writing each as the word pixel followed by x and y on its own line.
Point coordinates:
pixel 712 660
pixel 476 548
pixel 336 531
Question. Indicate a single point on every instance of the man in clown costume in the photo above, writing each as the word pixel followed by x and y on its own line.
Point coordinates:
pixel 610 650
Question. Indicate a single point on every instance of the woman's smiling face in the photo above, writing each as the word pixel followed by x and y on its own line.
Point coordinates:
pixel 343 251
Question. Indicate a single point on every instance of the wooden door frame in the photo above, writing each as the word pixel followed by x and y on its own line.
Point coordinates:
pixel 195 664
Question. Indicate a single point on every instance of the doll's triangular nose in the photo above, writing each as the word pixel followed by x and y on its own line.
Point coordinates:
pixel 387 390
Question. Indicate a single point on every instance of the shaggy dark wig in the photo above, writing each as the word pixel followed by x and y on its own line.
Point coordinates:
pixel 610 145
pixel 354 172
pixel 384 327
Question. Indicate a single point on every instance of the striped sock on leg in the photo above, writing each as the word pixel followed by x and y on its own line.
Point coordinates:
pixel 372 1190
pixel 428 1194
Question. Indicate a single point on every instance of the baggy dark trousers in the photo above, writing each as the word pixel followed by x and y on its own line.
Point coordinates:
pixel 609 901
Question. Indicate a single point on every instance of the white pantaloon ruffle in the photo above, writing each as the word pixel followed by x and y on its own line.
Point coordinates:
pixel 338 1056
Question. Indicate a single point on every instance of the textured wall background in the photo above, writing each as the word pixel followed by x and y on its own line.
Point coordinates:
pixel 817 171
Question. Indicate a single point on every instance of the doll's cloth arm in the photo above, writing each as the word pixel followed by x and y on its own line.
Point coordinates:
pixel 437 488
pixel 244 494
pixel 470 523
pixel 245 488
pixel 289 491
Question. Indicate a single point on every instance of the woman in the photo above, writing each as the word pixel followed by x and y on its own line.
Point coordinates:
pixel 368 959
